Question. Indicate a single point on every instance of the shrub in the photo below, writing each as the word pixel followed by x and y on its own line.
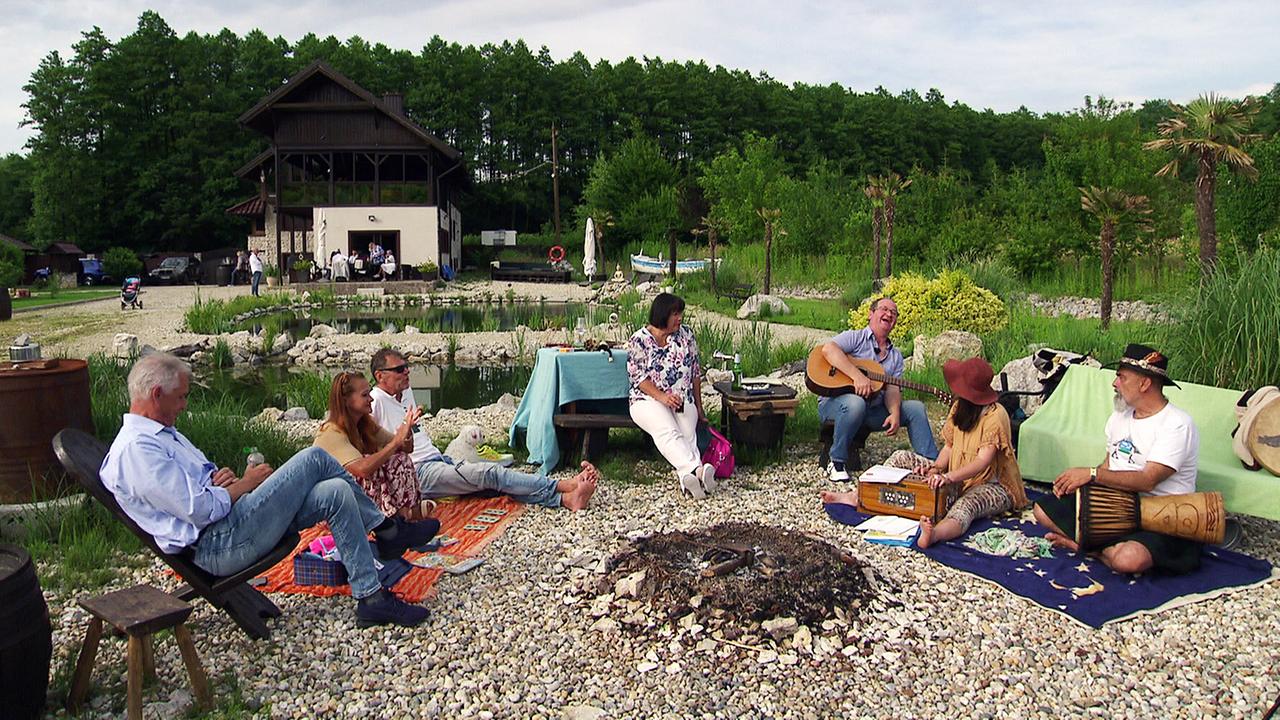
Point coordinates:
pixel 950 301
pixel 121 263
pixel 10 274
pixel 427 270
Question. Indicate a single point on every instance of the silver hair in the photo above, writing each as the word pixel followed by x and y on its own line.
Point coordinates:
pixel 154 370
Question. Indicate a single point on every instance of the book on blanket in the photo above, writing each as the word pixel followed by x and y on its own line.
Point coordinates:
pixel 883 474
pixel 889 530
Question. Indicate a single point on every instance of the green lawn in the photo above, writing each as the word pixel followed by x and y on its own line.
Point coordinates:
pixel 44 297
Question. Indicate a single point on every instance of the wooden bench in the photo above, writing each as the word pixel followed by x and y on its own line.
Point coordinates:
pixel 589 432
pixel 138 612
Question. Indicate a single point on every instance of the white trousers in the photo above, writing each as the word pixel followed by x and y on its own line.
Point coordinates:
pixel 675 433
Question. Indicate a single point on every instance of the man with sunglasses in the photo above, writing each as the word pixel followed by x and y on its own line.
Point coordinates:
pixel 440 476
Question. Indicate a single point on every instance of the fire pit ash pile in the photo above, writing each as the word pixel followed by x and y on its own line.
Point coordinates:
pixel 737 582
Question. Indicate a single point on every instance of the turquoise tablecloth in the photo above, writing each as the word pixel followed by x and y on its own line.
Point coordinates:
pixel 559 378
pixel 1067 432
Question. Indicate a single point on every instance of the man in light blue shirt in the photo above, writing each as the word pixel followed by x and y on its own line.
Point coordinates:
pixel 861 408
pixel 225 522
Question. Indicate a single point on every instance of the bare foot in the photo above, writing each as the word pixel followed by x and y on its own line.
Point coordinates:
pixel 1062 541
pixel 926 532
pixel 578 498
pixel 844 498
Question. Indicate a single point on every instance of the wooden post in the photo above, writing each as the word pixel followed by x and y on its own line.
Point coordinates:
pixel 711 236
pixel 671 234
pixel 555 183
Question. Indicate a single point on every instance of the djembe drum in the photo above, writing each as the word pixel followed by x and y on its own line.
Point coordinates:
pixel 1104 515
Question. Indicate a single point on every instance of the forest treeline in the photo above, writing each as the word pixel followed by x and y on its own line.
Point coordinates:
pixel 136 142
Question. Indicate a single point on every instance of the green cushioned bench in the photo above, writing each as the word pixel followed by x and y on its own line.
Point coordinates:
pixel 1067 432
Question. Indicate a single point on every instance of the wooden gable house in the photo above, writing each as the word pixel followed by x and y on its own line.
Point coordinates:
pixel 345 168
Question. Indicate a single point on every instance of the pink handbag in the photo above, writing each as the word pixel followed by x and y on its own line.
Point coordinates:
pixel 719 454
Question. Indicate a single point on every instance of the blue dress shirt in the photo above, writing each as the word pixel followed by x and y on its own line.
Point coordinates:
pixel 862 344
pixel 163 482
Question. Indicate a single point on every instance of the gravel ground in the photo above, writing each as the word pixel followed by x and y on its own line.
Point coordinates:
pixel 515 638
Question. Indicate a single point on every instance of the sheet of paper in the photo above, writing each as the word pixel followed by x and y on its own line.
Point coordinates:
pixel 762 380
pixel 889 525
pixel 883 474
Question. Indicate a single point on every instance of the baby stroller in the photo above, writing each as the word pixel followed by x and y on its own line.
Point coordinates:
pixel 130 293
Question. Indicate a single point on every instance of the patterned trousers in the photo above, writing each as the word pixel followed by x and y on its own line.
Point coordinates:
pixel 985 500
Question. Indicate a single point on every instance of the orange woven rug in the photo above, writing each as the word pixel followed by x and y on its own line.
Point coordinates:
pixel 419 583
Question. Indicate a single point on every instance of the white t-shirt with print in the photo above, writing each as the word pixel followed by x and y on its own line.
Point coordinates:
pixel 1169 437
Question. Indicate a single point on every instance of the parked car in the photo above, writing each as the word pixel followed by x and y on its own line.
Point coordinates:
pixel 176 270
pixel 91 272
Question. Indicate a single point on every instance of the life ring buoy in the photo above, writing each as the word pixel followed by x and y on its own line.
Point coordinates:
pixel 555 254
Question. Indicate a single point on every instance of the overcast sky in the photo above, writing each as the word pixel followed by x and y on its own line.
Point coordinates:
pixel 1044 55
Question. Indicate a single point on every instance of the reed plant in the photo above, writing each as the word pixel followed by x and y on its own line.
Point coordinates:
pixel 1227 327
pixel 210 317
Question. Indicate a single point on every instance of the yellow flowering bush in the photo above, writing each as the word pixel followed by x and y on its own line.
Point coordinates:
pixel 950 301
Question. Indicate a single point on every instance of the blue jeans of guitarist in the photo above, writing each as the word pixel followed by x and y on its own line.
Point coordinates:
pixel 850 412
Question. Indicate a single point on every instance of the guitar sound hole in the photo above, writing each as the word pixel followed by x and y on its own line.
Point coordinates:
pixel 831 372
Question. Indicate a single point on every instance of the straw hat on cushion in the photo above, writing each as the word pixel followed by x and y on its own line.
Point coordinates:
pixel 971 380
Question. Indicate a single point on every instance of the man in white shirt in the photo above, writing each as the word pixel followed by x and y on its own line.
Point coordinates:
pixel 255 268
pixel 1152 448
pixel 440 476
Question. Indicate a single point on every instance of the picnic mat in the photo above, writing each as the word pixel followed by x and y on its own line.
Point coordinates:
pixel 419 583
pixel 1077 586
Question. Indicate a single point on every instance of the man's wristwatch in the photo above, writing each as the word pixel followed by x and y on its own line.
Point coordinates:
pixel 1093 474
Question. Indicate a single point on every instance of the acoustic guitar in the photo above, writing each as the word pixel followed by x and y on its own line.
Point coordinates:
pixel 823 379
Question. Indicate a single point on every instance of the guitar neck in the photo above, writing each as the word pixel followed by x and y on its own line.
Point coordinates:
pixel 891 380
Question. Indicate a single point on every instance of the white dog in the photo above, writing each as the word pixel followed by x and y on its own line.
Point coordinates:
pixel 463 448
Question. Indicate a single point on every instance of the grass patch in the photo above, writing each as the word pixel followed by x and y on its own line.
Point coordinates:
pixel 49 298
pixel 211 317
pixel 82 547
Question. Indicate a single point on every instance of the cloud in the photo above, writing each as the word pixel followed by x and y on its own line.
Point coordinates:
pixel 1000 54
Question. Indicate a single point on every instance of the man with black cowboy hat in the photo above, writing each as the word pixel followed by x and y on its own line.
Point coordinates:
pixel 1152 448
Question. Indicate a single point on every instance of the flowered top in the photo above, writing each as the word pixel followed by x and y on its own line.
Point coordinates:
pixel 672 367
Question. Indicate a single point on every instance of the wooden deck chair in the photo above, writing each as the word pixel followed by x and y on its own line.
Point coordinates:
pixel 82 455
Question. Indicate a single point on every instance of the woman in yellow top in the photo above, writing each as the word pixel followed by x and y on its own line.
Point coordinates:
pixel 378 459
pixel 978 453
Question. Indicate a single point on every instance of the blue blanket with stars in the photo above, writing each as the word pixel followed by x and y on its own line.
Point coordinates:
pixel 1081 587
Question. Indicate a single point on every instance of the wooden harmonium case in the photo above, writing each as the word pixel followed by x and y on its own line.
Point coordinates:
pixel 910 498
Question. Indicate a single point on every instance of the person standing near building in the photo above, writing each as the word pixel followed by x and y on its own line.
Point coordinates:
pixel 255 267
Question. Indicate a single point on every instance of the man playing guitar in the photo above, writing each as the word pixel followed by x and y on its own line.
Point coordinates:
pixel 883 410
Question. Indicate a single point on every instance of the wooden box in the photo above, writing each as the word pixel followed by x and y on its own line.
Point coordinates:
pixel 911 498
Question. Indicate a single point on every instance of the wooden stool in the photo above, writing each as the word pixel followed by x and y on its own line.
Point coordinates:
pixel 137 612
pixel 826 436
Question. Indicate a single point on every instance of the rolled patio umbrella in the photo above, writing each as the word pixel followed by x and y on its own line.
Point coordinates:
pixel 589 250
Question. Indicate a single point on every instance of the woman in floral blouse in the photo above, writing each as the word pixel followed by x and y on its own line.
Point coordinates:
pixel 666 392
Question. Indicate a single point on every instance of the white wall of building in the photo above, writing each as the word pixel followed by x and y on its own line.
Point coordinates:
pixel 419 238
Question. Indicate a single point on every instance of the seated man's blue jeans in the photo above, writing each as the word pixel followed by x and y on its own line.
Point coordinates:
pixel 442 478
pixel 850 412
pixel 310 487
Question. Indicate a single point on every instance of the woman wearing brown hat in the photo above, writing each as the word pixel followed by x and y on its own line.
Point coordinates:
pixel 978 453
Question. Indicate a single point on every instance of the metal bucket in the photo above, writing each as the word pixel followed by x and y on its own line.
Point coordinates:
pixel 40 398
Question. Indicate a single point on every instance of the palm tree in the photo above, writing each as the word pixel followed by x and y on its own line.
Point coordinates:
pixel 1209 130
pixel 872 191
pixel 1113 208
pixel 890 186
pixel 712 226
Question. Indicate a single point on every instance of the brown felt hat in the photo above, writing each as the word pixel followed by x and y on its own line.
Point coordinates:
pixel 971 380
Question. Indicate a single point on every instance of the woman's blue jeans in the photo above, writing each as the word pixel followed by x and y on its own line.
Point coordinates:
pixel 310 487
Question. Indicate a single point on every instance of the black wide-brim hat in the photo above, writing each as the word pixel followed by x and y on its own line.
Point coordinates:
pixel 1146 360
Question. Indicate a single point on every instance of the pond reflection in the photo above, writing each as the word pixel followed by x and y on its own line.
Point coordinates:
pixel 490 317
pixel 435 387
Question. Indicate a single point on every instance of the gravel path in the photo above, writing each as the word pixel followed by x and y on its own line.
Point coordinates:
pixel 515 638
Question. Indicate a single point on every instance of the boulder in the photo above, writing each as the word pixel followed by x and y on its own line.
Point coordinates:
pixel 752 307
pixel 322 330
pixel 411 330
pixel 294 414
pixel 281 343
pixel 124 345
pixel 949 345
pixel 1022 375
pixel 239 340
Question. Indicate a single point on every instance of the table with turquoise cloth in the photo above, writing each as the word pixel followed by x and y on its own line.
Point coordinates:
pixel 1067 431
pixel 559 378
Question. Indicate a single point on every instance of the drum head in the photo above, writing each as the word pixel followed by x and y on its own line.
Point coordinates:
pixel 1264 437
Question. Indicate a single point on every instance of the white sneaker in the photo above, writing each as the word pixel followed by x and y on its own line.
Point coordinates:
pixel 839 473
pixel 691 487
pixel 708 477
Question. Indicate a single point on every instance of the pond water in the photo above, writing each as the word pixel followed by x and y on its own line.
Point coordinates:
pixel 485 317
pixel 435 387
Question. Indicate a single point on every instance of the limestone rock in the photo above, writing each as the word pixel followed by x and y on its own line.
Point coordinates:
pixel 125 345
pixel 581 712
pixel 321 330
pixel 635 585
pixel 780 628
pixel 754 304
pixel 295 414
pixel 949 345
pixel 281 343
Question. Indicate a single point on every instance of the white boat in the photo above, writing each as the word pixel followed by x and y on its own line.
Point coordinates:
pixel 658 266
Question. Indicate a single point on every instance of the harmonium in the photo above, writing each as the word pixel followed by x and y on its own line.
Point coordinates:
pixel 910 497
